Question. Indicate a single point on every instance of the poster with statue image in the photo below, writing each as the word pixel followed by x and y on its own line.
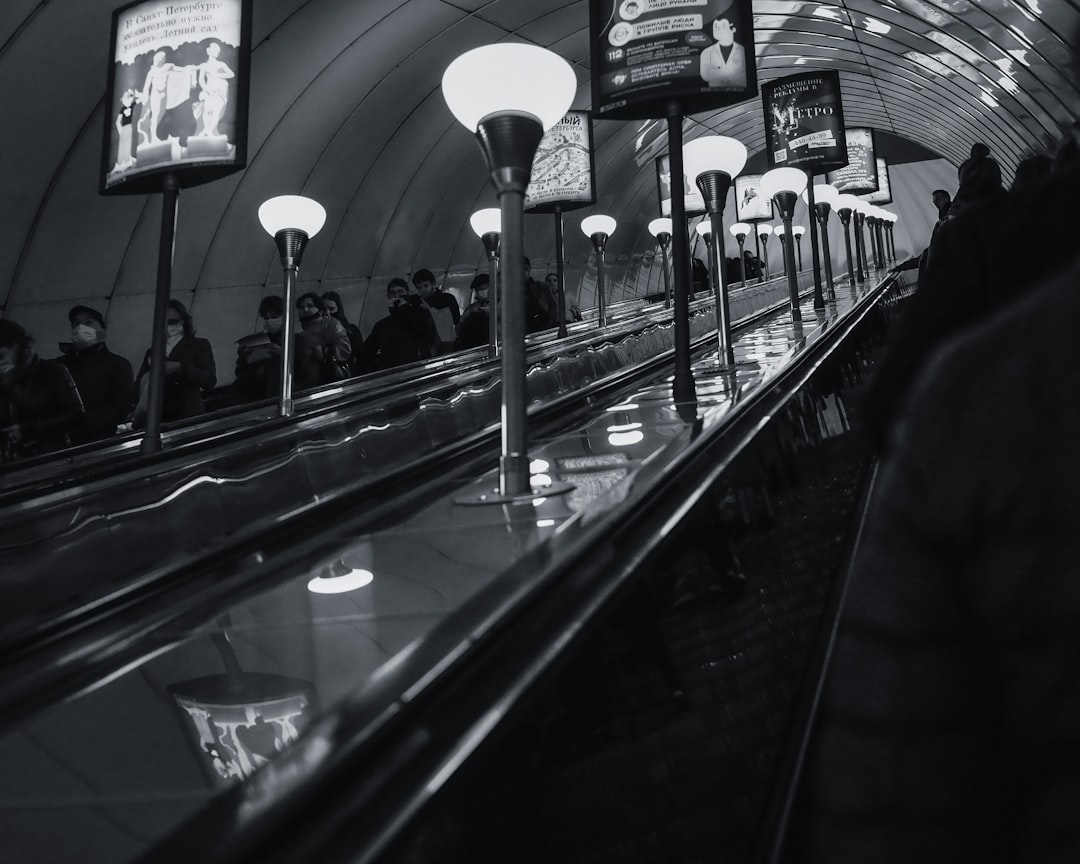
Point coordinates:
pixel 177 94
pixel 648 52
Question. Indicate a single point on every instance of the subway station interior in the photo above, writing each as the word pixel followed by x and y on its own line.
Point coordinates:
pixel 618 590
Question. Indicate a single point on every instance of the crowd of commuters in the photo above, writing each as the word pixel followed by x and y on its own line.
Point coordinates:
pixel 89 393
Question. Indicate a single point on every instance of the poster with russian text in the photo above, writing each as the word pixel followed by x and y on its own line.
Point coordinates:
pixel 883 195
pixel 562 170
pixel 860 175
pixel 647 52
pixel 177 94
pixel 804 122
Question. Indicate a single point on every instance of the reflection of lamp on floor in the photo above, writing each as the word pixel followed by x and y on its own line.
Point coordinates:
pixel 712 162
pixel 739 231
pixel 487 224
pixel 783 186
pixel 661 230
pixel 291 220
pixel 508 94
pixel 598 228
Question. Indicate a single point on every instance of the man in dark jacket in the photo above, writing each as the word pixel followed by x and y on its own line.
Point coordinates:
pixel 442 306
pixel 105 381
pixel 406 335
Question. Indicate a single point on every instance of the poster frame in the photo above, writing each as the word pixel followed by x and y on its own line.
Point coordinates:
pixel 571 204
pixel 188 173
pixel 817 166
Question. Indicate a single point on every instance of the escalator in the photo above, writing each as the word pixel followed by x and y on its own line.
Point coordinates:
pixel 627 676
pixel 74 552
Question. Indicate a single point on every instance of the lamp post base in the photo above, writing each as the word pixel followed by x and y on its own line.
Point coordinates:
pixel 495 495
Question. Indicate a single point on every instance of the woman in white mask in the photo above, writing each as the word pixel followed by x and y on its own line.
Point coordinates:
pixel 189 369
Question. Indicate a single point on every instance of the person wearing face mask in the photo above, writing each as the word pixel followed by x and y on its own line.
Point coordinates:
pixel 189 369
pixel 323 349
pixel 258 356
pixel 406 335
pixel 39 403
pixel 105 380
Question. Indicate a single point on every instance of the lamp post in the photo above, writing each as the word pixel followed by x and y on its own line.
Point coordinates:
pixel 798 231
pixel 508 94
pixel 704 230
pixel 821 203
pixel 890 224
pixel 291 220
pixel 764 232
pixel 487 225
pixel 783 186
pixel 815 258
pixel 739 231
pixel 598 228
pixel 712 162
pixel 780 232
pixel 871 223
pixel 845 206
pixel 661 230
pixel 860 241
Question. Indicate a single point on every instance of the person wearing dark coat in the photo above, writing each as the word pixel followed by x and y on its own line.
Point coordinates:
pixel 475 327
pixel 950 727
pixel 105 381
pixel 189 369
pixel 39 403
pixel 406 335
pixel 443 307
pixel 974 268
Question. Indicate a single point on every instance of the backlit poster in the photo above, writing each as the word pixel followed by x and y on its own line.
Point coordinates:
pixel 804 122
pixel 695 202
pixel 860 175
pixel 647 52
pixel 884 190
pixel 750 204
pixel 177 94
pixel 562 171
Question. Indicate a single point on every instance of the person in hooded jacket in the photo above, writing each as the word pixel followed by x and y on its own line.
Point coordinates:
pixel 40 406
pixel 189 369
pixel 443 307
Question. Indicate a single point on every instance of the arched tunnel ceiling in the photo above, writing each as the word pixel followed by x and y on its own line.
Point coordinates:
pixel 345 107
